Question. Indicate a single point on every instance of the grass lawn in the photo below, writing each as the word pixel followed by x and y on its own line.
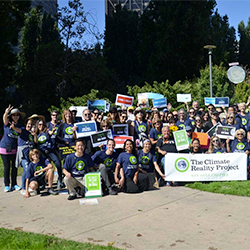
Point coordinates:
pixel 241 188
pixel 11 239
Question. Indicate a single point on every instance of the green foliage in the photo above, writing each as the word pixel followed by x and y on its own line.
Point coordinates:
pixel 15 240
pixel 242 91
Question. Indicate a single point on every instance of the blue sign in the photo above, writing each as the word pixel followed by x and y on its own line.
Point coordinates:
pixel 97 104
pixel 221 101
pixel 85 129
pixel 209 100
pixel 160 103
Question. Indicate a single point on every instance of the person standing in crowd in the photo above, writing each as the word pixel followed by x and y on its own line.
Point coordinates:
pixel 53 126
pixel 205 117
pixel 215 146
pixel 195 106
pixel 243 115
pixel 214 120
pixel 155 132
pixel 106 162
pixel 198 127
pixel 141 127
pixel 74 117
pixel 231 121
pixel 182 121
pixel 8 146
pixel 130 113
pixel 75 167
pixel 113 116
pixel 191 116
pixel 39 170
pixel 44 144
pixel 210 109
pixel 127 173
pixel 25 142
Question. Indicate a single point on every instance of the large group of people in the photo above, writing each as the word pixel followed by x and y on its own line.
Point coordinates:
pixel 33 144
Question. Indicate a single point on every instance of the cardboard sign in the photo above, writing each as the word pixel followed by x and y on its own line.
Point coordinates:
pixel 97 104
pixel 160 103
pixel 124 100
pixel 66 150
pixel 120 140
pixel 100 138
pixel 92 183
pixel 212 131
pixel 85 129
pixel 225 132
pixel 203 138
pixel 183 97
pixel 79 109
pixel 181 140
pixel 206 167
pixel 221 101
pixel 120 129
pixel 143 100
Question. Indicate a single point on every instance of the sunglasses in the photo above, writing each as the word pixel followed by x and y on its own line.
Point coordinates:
pixel 240 134
pixel 96 113
pixel 210 108
pixel 156 123
pixel 192 112
pixel 40 124
pixel 54 115
pixel 231 117
pixel 198 120
pixel 87 114
pixel 124 117
pixel 215 140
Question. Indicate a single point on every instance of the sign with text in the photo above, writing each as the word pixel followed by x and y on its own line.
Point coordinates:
pixel 212 131
pixel 92 183
pixel 85 129
pixel 209 100
pixel 66 150
pixel 100 138
pixel 160 103
pixel 217 101
pixel 143 100
pixel 224 132
pixel 97 104
pixel 181 140
pixel 183 97
pixel 120 129
pixel 120 140
pixel 206 167
pixel 124 100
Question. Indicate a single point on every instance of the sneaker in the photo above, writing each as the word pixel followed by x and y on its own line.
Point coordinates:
pixel 72 197
pixel 16 187
pixel 37 191
pixel 6 189
pixel 112 192
pixel 52 191
pixel 23 192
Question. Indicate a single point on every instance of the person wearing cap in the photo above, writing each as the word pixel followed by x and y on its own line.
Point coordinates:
pixel 214 120
pixel 36 117
pixel 141 127
pixel 113 116
pixel 74 117
pixel 130 113
pixel 8 146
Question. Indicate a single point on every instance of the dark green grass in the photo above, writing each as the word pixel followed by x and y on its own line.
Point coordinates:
pixel 241 188
pixel 13 240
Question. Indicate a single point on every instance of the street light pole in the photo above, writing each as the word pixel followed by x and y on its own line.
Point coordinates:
pixel 210 49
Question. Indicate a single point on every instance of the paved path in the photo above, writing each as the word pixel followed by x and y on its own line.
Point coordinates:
pixel 169 218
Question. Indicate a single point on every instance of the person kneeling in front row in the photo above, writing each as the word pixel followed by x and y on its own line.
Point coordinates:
pixel 75 167
pixel 39 170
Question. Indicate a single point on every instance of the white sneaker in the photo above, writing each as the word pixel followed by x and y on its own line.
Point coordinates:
pixel 23 192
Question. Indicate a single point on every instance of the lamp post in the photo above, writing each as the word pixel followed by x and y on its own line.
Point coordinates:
pixel 210 49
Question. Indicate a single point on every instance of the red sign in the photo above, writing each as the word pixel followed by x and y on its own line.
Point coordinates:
pixel 124 100
pixel 119 140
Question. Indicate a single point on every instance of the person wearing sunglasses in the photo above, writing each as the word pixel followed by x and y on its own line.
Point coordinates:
pixel 8 146
pixel 240 144
pixel 198 127
pixel 210 109
pixel 231 121
pixel 191 116
pixel 155 132
pixel 182 121
pixel 215 146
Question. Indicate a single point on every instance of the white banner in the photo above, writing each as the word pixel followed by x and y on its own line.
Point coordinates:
pixel 206 167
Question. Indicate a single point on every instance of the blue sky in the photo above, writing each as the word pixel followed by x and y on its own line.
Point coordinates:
pixel 235 10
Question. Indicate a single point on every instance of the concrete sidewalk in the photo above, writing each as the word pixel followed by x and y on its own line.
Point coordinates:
pixel 169 218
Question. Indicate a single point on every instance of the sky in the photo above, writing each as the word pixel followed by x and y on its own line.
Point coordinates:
pixel 236 10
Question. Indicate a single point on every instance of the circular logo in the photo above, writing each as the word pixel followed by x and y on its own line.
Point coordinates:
pixel 159 136
pixel 133 160
pixel 14 132
pixel 42 139
pixel 142 128
pixel 31 138
pixel 144 160
pixel 69 130
pixel 244 121
pixel 182 126
pixel 108 162
pixel 240 146
pixel 39 168
pixel 181 164
pixel 55 132
pixel 218 152
pixel 80 165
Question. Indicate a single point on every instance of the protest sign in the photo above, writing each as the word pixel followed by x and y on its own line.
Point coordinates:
pixel 221 101
pixel 152 95
pixel 92 183
pixel 120 129
pixel 119 140
pixel 203 138
pixel 160 103
pixel 183 97
pixel 206 167
pixel 181 140
pixel 124 100
pixel 100 138
pixel 209 100
pixel 85 128
pixel 79 110
pixel 212 131
pixel 66 150
pixel 97 104
pixel 225 132
pixel 143 100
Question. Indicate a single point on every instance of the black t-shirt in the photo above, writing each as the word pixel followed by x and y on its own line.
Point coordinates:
pixel 167 145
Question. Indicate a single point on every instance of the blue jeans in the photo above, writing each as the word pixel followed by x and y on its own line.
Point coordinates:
pixel 24 164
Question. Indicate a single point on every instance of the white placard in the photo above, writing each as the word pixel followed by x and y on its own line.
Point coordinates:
pixel 183 97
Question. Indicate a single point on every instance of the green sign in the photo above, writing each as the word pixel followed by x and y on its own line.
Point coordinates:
pixel 181 140
pixel 93 187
